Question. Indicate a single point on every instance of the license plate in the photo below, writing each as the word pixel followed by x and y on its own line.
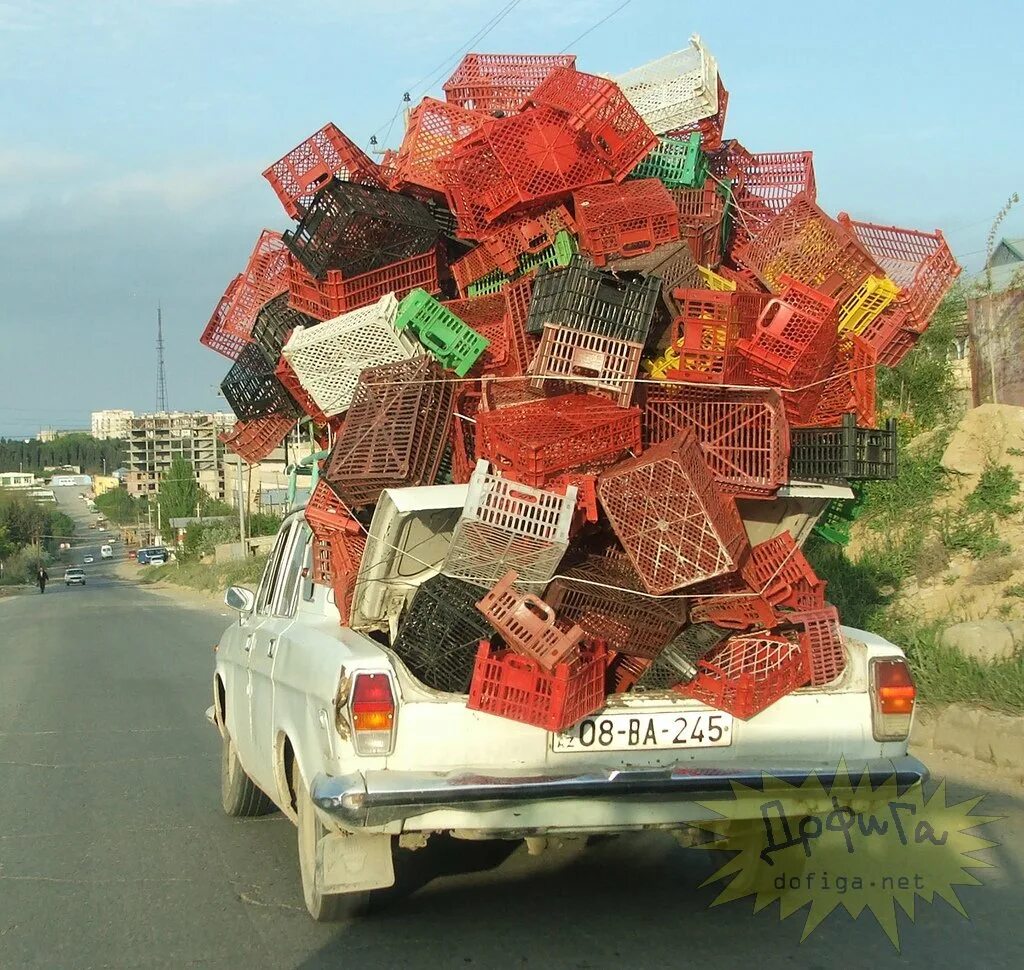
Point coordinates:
pixel 657 731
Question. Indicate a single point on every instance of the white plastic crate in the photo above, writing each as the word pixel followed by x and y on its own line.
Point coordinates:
pixel 675 90
pixel 606 363
pixel 328 358
pixel 509 526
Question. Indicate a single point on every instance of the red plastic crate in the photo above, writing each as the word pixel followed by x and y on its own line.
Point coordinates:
pixel 487 315
pixel 919 263
pixel 475 265
pixel 805 244
pixel 629 219
pixel 522 345
pixel 604 596
pixel 539 441
pixel 747 674
pixel 795 338
pixel 851 388
pixel 670 516
pixel 698 207
pixel 587 508
pixel 329 152
pixel 328 516
pixel 889 335
pixel 264 277
pixel 433 129
pixel 508 685
pixel 256 439
pixel 288 378
pixel 522 233
pixel 463 433
pixel 774 179
pixel 744 433
pixel 624 671
pixel 822 640
pixel 500 82
pixel 337 294
pixel 744 279
pixel 528 625
pixel 215 337
pixel 742 612
pixel 779 570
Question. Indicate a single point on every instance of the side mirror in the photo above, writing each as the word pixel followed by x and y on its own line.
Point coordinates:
pixel 239 598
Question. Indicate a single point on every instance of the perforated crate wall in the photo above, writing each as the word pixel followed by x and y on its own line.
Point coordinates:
pixel 587 359
pixel 254 440
pixel 744 433
pixel 871 298
pixel 264 277
pixel 525 233
pixel 439 634
pixel 851 388
pixel 538 441
pixel 463 433
pixel 252 389
pixel 919 263
pixel 336 293
pixel 500 82
pixel 779 571
pixel 747 674
pixel 357 228
pixel 528 625
pixel 328 358
pixel 671 518
pixel 456 345
pixel 675 90
pixel 487 316
pixel 604 596
pixel 744 611
pixel 583 298
pixel 509 526
pixel 710 128
pixel 795 339
pixel 676 162
pixel 327 153
pixel 214 336
pixel 625 220
pixel 396 431
pixel 802 242
pixel 677 663
pixel 517 688
pixel 822 640
pixel 433 128
pixel 275 321
pixel 889 335
pixel 774 179
pixel 844 452
pixel 284 373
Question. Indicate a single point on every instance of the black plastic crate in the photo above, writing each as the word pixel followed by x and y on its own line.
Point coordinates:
pixel 438 637
pixel 253 390
pixel 843 453
pixel 444 217
pixel 357 228
pixel 580 297
pixel 677 663
pixel 275 321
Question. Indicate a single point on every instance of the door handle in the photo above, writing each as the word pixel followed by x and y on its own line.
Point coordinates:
pixel 248 643
pixel 272 647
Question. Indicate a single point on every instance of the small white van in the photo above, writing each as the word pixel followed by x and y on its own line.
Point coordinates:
pixel 106 552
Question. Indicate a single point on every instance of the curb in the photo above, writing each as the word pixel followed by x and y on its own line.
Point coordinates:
pixel 972 732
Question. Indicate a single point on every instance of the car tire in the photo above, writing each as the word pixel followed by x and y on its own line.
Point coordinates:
pixel 239 796
pixel 323 907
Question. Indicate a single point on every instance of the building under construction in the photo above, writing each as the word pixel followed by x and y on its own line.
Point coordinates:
pixel 155 440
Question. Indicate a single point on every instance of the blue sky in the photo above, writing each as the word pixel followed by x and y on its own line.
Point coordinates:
pixel 133 134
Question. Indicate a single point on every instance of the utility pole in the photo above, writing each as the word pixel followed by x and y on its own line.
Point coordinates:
pixel 161 374
pixel 241 507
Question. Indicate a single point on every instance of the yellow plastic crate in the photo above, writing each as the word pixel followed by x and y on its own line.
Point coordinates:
pixel 714 281
pixel 871 298
pixel 658 367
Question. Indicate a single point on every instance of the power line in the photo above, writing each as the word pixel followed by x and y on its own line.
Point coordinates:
pixel 593 27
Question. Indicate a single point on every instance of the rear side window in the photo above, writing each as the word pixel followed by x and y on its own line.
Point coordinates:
pixel 269 581
pixel 291 571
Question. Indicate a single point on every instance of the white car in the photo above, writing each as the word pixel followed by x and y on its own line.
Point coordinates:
pixel 329 725
pixel 88 559
pixel 74 576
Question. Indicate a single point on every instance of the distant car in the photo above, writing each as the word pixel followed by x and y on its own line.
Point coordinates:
pixel 88 559
pixel 106 552
pixel 74 576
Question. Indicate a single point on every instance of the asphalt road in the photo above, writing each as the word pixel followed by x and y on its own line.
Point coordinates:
pixel 114 851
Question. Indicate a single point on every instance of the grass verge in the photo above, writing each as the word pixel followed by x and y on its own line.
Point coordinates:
pixel 207 576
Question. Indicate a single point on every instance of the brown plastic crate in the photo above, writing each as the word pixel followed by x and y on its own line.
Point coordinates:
pixel 396 431
pixel 607 364
pixel 670 516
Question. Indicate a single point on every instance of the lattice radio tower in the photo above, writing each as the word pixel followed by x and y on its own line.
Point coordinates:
pixel 161 374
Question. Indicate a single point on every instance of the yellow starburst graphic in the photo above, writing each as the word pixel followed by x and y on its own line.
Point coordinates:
pixel 845 845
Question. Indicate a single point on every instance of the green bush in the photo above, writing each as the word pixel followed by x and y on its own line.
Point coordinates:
pixel 995 491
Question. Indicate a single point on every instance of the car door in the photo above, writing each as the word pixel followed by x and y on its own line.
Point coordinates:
pixel 277 609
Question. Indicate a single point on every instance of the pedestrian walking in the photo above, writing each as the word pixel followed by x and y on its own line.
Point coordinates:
pixel 41 578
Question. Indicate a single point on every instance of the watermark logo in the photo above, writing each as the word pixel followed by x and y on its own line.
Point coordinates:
pixel 845 845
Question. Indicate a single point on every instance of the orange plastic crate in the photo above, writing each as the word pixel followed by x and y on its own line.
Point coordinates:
pixel 625 220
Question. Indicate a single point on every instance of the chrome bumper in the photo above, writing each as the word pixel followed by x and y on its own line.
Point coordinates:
pixel 373 798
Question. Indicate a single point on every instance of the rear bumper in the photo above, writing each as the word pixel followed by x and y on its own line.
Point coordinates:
pixel 376 798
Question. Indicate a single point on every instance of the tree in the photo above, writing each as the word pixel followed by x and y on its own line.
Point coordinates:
pixel 180 494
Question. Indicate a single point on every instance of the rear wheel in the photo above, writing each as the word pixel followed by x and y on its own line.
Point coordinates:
pixel 239 797
pixel 323 907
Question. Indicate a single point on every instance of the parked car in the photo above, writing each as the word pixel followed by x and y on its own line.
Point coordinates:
pixel 74 576
pixel 331 727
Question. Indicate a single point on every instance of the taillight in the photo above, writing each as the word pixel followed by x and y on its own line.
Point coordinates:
pixel 373 714
pixel 892 698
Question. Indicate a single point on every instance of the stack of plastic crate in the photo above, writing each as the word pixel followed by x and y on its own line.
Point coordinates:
pixel 338 545
pixel 264 277
pixel 253 390
pixel 625 220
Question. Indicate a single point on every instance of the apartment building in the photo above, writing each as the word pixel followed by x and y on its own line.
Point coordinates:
pixel 155 440
pixel 111 424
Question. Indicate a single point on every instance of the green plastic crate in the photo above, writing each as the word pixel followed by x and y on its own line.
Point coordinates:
pixel 678 162
pixel 838 518
pixel 455 344
pixel 557 254
pixel 728 215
